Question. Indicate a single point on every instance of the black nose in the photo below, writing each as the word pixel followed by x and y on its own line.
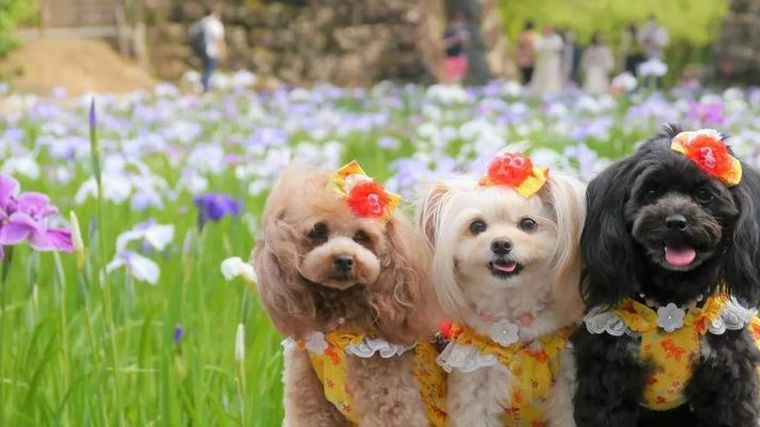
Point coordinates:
pixel 343 263
pixel 675 222
pixel 501 247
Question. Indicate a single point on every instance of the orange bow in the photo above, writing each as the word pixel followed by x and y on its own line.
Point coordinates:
pixel 515 170
pixel 706 149
pixel 365 197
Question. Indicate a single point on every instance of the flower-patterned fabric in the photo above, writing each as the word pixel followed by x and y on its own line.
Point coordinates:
pixel 672 354
pixel 330 367
pixel 533 365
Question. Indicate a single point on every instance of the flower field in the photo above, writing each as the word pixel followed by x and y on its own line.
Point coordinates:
pixel 140 322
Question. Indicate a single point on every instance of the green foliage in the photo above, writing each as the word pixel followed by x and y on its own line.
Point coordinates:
pixel 11 13
pixel 692 24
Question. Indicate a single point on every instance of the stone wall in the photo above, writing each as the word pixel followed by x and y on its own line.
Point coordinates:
pixel 737 51
pixel 347 42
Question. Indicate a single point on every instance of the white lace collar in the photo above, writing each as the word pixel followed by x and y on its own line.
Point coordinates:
pixel 316 343
pixel 733 316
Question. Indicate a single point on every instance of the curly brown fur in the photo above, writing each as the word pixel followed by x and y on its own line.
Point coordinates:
pixel 385 293
pixel 305 403
pixel 386 392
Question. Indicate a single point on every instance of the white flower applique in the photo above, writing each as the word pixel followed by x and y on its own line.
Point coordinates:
pixel 504 332
pixel 670 317
pixel 315 343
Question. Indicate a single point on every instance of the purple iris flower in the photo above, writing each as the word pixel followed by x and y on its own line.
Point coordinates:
pixel 178 333
pixel 24 217
pixel 706 114
pixel 213 207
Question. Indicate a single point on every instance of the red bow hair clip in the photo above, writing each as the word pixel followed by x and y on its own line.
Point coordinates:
pixel 515 170
pixel 365 197
pixel 706 149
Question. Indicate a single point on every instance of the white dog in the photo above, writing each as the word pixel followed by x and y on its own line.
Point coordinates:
pixel 506 271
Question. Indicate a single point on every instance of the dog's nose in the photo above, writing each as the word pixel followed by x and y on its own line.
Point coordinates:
pixel 501 246
pixel 343 263
pixel 676 222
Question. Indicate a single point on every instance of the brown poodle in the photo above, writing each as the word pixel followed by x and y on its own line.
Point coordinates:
pixel 351 292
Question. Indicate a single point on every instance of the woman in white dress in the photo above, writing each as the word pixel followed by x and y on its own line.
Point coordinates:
pixel 597 63
pixel 547 79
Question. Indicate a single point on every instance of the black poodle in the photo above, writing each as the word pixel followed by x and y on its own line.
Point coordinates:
pixel 666 234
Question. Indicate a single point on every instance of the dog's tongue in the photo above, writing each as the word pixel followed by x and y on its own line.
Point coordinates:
pixel 507 267
pixel 680 257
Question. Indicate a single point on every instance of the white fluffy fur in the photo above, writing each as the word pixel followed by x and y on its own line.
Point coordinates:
pixel 547 288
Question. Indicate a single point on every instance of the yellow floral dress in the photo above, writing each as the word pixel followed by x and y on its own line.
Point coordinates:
pixel 533 365
pixel 671 353
pixel 328 354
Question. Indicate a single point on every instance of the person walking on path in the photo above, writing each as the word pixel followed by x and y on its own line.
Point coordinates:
pixel 653 38
pixel 457 40
pixel 571 57
pixel 207 36
pixel 629 53
pixel 526 52
pixel 597 63
pixel 547 79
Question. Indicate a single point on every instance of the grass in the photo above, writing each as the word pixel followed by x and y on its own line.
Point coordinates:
pixel 78 349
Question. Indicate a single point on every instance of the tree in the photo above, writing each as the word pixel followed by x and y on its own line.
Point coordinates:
pixel 11 13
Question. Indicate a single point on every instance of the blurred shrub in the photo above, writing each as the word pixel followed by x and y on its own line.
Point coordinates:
pixel 692 24
pixel 11 13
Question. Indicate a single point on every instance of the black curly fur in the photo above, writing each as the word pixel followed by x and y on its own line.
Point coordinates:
pixel 724 390
pixel 624 226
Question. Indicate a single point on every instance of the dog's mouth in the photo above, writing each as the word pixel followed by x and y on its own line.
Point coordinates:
pixel 340 281
pixel 504 269
pixel 680 256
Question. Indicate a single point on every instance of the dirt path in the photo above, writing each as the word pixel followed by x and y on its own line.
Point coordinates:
pixel 80 66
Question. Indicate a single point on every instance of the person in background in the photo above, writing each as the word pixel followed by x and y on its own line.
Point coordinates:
pixel 571 56
pixel 456 39
pixel 653 39
pixel 629 53
pixel 547 79
pixel 526 52
pixel 207 38
pixel 597 63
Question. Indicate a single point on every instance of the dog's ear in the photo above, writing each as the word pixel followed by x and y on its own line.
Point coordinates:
pixel 743 252
pixel 566 198
pixel 401 298
pixel 607 247
pixel 289 304
pixel 429 211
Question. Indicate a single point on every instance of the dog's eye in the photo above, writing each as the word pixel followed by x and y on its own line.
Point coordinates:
pixel 650 195
pixel 704 195
pixel 318 232
pixel 528 224
pixel 478 226
pixel 361 237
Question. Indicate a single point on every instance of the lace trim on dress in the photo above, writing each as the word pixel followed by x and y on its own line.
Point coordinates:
pixel 734 316
pixel 602 321
pixel 464 358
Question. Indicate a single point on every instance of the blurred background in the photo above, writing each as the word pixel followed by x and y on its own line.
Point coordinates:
pixel 45 43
